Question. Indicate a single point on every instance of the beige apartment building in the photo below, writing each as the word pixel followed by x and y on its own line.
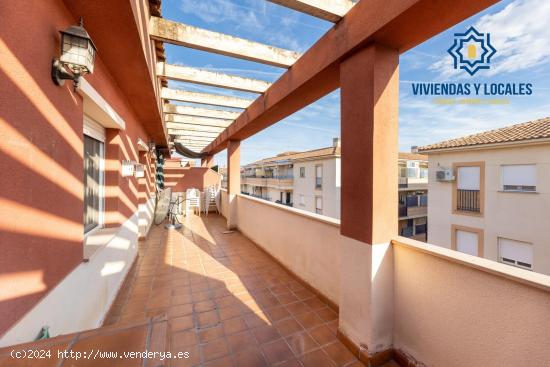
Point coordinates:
pixel 310 181
pixel 490 194
pixel 307 180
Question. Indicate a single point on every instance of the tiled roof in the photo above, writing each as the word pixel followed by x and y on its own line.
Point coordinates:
pixel 413 156
pixel 295 156
pixel 538 129
pixel 325 152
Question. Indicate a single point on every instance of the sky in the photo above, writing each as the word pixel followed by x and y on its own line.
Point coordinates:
pixel 519 32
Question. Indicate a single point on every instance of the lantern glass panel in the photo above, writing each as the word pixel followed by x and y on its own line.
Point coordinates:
pixel 78 53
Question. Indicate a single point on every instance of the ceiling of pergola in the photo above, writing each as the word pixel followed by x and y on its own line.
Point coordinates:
pixel 205 115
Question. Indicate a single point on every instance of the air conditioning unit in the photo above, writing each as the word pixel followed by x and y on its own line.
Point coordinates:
pixel 445 175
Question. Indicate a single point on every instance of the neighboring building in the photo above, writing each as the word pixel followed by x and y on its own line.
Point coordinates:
pixel 413 195
pixel 306 180
pixel 311 181
pixel 490 194
pixel 223 171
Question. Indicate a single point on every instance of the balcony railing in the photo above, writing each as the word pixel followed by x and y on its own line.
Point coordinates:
pixel 277 177
pixel 468 200
pixel 414 205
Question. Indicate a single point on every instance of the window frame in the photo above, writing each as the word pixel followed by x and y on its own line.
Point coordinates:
pixel 95 131
pixel 480 238
pixel 320 186
pixel 456 166
pixel 302 172
pixel 515 264
pixel 502 186
pixel 318 210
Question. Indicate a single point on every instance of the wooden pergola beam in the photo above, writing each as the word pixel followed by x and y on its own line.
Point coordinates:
pixel 331 10
pixel 194 120
pixel 219 43
pixel 400 25
pixel 188 133
pixel 193 142
pixel 200 112
pixel 191 127
pixel 205 98
pixel 214 79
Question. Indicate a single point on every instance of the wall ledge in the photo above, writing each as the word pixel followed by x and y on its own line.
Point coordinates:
pixel 526 277
pixel 300 212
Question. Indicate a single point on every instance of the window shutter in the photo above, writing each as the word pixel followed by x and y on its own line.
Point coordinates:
pixel 467 242
pixel 519 175
pixel 516 250
pixel 468 178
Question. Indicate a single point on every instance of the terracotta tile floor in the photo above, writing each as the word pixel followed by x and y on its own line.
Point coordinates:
pixel 227 302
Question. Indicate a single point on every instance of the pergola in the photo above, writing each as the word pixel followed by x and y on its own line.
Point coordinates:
pixel 359 55
pixel 397 25
pixel 194 127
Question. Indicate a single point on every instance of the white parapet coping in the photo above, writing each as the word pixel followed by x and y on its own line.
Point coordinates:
pixel 526 277
pixel 300 212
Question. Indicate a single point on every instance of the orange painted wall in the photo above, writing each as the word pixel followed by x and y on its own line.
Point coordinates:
pixel 182 178
pixel 41 148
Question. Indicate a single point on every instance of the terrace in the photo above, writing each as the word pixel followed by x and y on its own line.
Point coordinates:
pixel 264 284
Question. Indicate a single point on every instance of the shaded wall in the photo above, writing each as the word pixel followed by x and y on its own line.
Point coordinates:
pixel 306 243
pixel 41 146
pixel 449 313
pixel 182 178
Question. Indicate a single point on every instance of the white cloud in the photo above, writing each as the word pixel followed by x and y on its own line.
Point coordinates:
pixel 254 19
pixel 520 34
pixel 422 122
pixel 219 11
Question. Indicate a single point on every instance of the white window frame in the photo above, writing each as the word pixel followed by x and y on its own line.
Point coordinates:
pixel 302 172
pixel 95 131
pixel 513 262
pixel 467 233
pixel 519 188
pixel 319 167
pixel 317 209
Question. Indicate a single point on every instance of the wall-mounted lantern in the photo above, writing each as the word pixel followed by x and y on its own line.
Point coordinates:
pixel 77 56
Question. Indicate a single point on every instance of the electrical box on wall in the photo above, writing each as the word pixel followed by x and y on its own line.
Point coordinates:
pixel 140 170
pixel 128 168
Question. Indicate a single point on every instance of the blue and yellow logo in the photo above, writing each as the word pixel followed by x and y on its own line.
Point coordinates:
pixel 472 51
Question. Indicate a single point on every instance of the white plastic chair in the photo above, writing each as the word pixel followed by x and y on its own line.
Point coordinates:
pixel 210 199
pixel 192 201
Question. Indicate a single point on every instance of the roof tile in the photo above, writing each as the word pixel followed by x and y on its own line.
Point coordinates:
pixel 538 129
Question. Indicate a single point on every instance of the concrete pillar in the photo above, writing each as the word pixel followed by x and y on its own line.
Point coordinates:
pixel 207 161
pixel 233 181
pixel 369 82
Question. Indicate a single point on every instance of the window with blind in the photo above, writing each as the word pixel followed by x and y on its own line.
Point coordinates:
pixel 519 177
pixel 467 242
pixel 318 177
pixel 468 189
pixel 318 205
pixel 93 181
pixel 515 253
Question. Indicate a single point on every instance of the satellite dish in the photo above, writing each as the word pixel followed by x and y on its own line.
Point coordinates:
pixel 163 204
